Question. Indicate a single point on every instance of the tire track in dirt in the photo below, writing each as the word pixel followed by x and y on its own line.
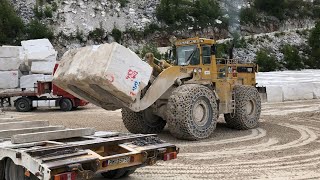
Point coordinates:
pixel 301 162
pixel 255 134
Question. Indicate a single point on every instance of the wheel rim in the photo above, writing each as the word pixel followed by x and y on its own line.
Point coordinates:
pixel 250 107
pixel 64 105
pixel 201 112
pixel 22 105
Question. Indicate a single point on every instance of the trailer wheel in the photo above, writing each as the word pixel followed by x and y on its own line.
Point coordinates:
pixel 119 173
pixel 248 109
pixel 2 169
pixel 192 112
pixel 65 104
pixel 23 104
pixel 144 122
pixel 15 172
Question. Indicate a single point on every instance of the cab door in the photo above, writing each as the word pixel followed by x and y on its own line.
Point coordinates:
pixel 206 62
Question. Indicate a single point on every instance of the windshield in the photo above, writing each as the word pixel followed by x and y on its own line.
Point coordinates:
pixel 184 54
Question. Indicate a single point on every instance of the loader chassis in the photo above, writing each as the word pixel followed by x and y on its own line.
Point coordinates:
pixel 190 94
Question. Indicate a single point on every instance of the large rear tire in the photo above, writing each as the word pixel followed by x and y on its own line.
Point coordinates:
pixel 247 110
pixel 142 122
pixel 192 112
pixel 23 104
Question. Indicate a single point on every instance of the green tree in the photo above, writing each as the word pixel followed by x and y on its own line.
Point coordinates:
pixel 249 15
pixel 291 59
pixel 272 7
pixel 314 43
pixel 181 14
pixel 174 13
pixel 116 34
pixel 37 30
pixel 11 26
pixel 266 61
pixel 205 13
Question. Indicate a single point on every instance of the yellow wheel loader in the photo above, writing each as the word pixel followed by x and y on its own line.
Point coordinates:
pixel 190 94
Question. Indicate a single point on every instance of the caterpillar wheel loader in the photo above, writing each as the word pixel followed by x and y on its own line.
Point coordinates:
pixel 190 93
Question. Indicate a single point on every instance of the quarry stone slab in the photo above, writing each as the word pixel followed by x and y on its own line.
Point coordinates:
pixel 23 124
pixel 9 79
pixel 42 67
pixel 10 64
pixel 51 135
pixel 12 132
pixel 29 81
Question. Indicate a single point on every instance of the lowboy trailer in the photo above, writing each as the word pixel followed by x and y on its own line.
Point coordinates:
pixel 37 151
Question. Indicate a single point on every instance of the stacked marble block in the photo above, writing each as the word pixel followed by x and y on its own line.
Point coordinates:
pixel 22 66
pixel 290 85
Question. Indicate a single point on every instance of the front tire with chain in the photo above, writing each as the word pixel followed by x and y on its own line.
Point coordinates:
pixel 192 112
pixel 247 110
pixel 142 122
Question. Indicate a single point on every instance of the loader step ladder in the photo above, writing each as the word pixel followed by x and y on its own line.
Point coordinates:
pixel 233 102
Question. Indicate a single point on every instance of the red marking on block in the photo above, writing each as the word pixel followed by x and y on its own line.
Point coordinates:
pixel 132 74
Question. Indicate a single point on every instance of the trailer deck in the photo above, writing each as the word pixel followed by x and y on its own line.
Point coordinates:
pixel 45 152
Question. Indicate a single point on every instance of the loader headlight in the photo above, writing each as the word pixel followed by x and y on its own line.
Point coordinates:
pixel 197 70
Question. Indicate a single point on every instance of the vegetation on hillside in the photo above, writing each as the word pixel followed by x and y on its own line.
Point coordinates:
pixel 11 26
pixel 280 9
pixel 13 29
pixel 185 14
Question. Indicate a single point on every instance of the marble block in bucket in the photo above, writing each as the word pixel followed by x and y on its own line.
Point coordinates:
pixel 99 72
pixel 9 79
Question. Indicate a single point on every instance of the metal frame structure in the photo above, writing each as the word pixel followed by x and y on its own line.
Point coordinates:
pixel 82 154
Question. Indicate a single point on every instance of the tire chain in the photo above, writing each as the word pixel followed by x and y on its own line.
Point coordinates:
pixel 135 123
pixel 239 120
pixel 179 112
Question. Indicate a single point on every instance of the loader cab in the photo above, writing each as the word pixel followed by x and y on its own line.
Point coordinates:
pixel 197 54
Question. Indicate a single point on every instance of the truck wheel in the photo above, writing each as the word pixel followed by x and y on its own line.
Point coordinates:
pixel 15 172
pixel 23 104
pixel 142 122
pixel 247 110
pixel 192 112
pixel 65 104
pixel 2 169
pixel 116 174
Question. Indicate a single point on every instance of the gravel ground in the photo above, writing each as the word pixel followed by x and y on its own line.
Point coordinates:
pixel 285 146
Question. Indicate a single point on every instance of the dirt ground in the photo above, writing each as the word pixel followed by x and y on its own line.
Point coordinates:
pixel 285 146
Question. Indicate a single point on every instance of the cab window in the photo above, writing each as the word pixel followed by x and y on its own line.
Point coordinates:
pixel 206 55
pixel 195 60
